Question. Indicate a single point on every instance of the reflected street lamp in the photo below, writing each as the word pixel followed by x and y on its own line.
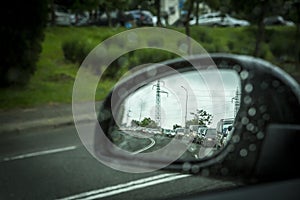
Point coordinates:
pixel 186 101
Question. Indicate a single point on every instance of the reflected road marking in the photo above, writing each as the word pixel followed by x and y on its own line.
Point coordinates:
pixel 147 147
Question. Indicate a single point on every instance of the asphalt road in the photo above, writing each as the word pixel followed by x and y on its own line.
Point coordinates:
pixel 53 164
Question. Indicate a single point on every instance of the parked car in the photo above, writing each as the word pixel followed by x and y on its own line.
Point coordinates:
pixel 142 17
pixel 219 19
pixel 62 16
pixel 277 20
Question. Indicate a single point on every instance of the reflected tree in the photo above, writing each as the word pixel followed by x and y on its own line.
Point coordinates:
pixel 201 117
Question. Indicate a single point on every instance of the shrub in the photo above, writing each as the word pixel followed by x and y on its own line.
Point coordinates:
pixel 76 50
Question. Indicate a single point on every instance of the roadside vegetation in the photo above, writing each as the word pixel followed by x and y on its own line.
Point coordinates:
pixel 64 48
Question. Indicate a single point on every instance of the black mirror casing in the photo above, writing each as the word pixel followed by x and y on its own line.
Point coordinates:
pixel 269 96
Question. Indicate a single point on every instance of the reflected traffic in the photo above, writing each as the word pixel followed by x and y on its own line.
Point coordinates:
pixel 198 107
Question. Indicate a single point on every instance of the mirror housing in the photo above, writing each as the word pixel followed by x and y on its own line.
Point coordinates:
pixel 269 96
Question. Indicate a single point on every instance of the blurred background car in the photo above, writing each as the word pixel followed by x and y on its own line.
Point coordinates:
pixel 219 19
pixel 62 16
pixel 142 17
pixel 277 20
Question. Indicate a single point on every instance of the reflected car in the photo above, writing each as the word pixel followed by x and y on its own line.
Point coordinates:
pixel 209 138
pixel 180 132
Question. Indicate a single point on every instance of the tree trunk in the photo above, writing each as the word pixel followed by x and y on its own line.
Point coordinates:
pixel 187 25
pixel 157 5
pixel 197 12
pixel 52 13
pixel 108 17
pixel 261 29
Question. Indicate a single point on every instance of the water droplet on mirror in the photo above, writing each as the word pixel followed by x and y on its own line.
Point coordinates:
pixel 236 138
pixel 205 172
pixel 247 99
pixel 252 111
pixel 260 135
pixel 252 147
pixel 245 120
pixel 237 68
pixel 195 169
pixel 224 171
pixel 243 152
pixel 249 88
pixel 186 166
pixel 244 75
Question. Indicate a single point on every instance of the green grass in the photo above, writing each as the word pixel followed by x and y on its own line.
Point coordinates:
pixel 53 80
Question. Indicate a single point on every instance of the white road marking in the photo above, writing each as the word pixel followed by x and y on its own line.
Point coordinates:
pixel 126 187
pixel 147 147
pixel 40 153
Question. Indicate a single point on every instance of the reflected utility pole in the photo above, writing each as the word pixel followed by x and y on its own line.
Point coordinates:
pixel 157 105
pixel 236 100
pixel 186 102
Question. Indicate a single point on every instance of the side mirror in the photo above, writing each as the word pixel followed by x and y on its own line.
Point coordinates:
pixel 254 92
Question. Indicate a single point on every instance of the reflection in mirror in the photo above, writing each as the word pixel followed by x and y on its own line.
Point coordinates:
pixel 195 106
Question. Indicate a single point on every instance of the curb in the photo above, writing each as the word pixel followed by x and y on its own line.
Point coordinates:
pixel 44 123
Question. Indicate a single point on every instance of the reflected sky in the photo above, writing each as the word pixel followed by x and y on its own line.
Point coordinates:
pixel 212 90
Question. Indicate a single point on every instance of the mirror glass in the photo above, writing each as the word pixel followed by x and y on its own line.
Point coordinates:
pixel 195 106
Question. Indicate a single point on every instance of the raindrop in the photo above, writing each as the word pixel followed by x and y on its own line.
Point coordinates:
pixel 132 37
pixel 252 111
pixel 243 152
pixel 195 169
pixel 266 117
pixel 262 108
pixel 247 99
pixel 264 85
pixel 236 138
pixel 186 166
pixel 237 68
pixel 260 135
pixel 252 147
pixel 224 171
pixel 249 88
pixel 245 120
pixel 183 47
pixel 151 72
pixel 205 172
pixel 250 127
pixel 244 75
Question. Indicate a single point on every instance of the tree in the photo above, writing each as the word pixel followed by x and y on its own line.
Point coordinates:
pixel 186 23
pixel 176 126
pixel 135 123
pixel 201 117
pixel 22 32
pixel 109 6
pixel 148 122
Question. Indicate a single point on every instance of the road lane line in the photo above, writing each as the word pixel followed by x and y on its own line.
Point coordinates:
pixel 40 153
pixel 135 187
pixel 118 187
pixel 147 147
